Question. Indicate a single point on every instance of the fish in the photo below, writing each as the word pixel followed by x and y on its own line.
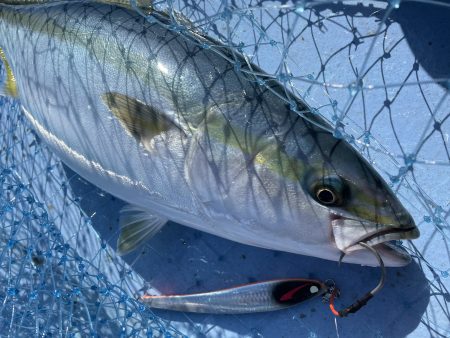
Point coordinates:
pixel 262 296
pixel 182 133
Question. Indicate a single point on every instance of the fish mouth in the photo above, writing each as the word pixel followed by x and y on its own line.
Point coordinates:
pixel 349 232
pixel 388 235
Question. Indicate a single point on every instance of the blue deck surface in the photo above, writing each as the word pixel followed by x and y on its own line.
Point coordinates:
pixel 415 299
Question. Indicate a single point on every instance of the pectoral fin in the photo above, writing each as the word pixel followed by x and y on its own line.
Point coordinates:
pixel 142 121
pixel 9 88
pixel 137 226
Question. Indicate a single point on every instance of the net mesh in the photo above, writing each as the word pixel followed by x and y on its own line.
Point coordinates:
pixel 379 72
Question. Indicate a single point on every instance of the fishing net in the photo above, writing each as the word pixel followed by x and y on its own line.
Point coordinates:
pixel 379 72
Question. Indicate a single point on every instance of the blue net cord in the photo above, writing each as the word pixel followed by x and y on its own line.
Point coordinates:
pixel 342 59
pixel 46 287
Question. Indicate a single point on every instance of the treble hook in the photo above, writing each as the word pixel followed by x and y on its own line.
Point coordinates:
pixel 364 299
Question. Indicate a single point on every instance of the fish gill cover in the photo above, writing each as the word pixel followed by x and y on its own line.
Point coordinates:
pixel 379 72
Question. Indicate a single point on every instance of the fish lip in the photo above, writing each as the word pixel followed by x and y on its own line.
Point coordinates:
pixel 411 233
pixel 376 237
pixel 398 251
pixel 391 253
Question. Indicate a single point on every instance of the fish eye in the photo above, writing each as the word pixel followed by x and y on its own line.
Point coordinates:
pixel 326 195
pixel 329 191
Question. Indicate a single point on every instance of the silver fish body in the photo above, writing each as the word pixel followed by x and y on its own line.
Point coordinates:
pixel 175 129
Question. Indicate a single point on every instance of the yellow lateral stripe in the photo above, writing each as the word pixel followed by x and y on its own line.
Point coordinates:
pixel 10 85
pixel 265 153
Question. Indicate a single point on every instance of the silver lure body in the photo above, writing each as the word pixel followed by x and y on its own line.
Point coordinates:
pixel 237 164
pixel 255 297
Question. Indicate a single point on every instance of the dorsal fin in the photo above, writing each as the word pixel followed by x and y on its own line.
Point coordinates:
pixel 10 86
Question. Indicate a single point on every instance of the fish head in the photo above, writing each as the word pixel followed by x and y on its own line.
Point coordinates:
pixel 360 204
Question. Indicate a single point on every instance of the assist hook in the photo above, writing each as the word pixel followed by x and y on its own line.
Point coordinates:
pixel 359 303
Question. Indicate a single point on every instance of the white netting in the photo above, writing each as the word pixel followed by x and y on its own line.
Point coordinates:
pixel 378 71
